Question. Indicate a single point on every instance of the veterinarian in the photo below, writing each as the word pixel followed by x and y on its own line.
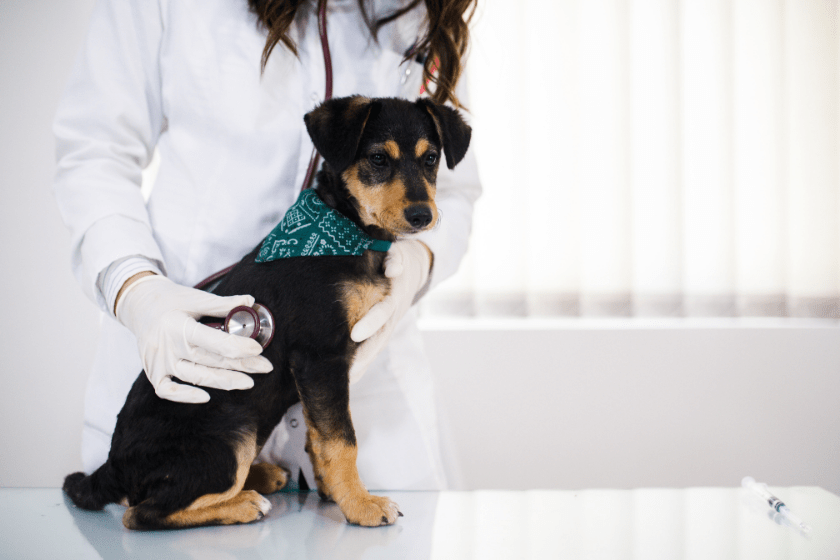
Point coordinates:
pixel 185 77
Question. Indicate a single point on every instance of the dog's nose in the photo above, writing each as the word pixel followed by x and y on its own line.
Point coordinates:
pixel 418 215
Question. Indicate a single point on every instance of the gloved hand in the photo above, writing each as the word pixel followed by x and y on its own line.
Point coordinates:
pixel 162 315
pixel 408 265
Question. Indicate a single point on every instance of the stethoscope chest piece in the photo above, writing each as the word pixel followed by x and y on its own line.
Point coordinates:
pixel 255 322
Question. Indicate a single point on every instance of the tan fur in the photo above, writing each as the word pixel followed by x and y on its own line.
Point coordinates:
pixel 334 462
pixel 266 478
pixel 245 455
pixel 392 149
pixel 421 147
pixel 437 125
pixel 358 102
pixel 244 507
pixel 382 205
pixel 231 506
pixel 359 297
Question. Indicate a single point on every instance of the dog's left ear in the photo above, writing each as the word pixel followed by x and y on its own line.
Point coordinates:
pixel 454 132
pixel 336 127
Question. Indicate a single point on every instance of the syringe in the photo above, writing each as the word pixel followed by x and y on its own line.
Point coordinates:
pixel 760 489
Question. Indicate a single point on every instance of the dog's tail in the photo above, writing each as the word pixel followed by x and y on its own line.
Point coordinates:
pixel 94 491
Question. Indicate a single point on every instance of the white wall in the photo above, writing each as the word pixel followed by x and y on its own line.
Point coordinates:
pixel 48 329
pixel 624 404
pixel 561 407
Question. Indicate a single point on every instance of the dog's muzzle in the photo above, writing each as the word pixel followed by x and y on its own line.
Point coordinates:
pixel 418 216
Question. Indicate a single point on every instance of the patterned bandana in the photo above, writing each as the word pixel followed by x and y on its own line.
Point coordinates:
pixel 312 229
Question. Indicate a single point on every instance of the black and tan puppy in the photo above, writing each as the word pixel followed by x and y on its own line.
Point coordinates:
pixel 184 465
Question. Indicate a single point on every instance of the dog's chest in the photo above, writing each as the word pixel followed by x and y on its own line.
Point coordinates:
pixel 361 292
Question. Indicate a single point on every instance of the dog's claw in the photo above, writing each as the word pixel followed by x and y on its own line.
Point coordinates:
pixel 400 514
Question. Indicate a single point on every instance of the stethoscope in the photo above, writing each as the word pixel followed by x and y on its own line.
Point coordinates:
pixel 257 322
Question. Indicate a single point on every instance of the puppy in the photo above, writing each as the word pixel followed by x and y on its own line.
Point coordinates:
pixel 184 465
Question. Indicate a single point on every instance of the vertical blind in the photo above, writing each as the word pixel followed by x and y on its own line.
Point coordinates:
pixel 653 158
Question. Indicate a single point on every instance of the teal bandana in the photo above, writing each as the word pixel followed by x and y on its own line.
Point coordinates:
pixel 312 229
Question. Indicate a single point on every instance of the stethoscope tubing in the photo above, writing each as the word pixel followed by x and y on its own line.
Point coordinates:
pixel 328 84
pixel 260 316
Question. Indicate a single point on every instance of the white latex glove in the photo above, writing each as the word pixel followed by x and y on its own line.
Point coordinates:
pixel 407 264
pixel 162 315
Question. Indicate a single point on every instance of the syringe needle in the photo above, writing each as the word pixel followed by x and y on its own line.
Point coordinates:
pixel 760 489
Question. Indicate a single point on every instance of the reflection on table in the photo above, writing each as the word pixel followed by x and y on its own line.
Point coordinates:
pixel 695 523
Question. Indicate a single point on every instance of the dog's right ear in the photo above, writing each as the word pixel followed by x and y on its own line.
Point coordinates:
pixel 336 126
pixel 455 133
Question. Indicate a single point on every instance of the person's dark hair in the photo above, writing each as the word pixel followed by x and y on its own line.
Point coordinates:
pixel 442 47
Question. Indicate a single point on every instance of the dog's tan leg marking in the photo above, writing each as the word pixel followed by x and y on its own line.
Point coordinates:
pixel 266 478
pixel 334 461
pixel 225 508
pixel 316 466
pixel 244 507
pixel 246 452
pixel 359 297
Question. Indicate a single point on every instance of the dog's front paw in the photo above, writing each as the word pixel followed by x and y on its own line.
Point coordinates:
pixel 248 506
pixel 370 511
pixel 254 506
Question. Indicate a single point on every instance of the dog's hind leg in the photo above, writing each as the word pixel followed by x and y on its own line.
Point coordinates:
pixel 234 505
pixel 266 478
pixel 244 507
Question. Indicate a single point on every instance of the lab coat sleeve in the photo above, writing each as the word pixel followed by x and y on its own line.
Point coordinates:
pixel 457 191
pixel 106 127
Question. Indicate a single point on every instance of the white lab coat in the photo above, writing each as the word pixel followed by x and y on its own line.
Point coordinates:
pixel 184 76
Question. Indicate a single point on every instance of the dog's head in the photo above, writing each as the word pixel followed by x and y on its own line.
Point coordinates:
pixel 386 153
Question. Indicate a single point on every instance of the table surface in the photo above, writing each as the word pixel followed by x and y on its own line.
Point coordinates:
pixel 693 523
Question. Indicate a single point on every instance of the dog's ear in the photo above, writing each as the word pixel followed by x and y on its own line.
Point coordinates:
pixel 336 127
pixel 454 132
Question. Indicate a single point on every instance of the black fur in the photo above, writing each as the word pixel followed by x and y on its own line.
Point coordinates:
pixel 456 134
pixel 336 128
pixel 164 455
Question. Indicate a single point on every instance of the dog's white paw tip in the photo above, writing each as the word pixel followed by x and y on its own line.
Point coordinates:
pixel 264 505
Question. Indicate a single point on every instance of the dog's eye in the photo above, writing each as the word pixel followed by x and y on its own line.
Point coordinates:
pixel 378 160
pixel 431 159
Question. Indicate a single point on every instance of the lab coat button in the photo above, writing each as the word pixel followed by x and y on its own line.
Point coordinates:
pixel 293 423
